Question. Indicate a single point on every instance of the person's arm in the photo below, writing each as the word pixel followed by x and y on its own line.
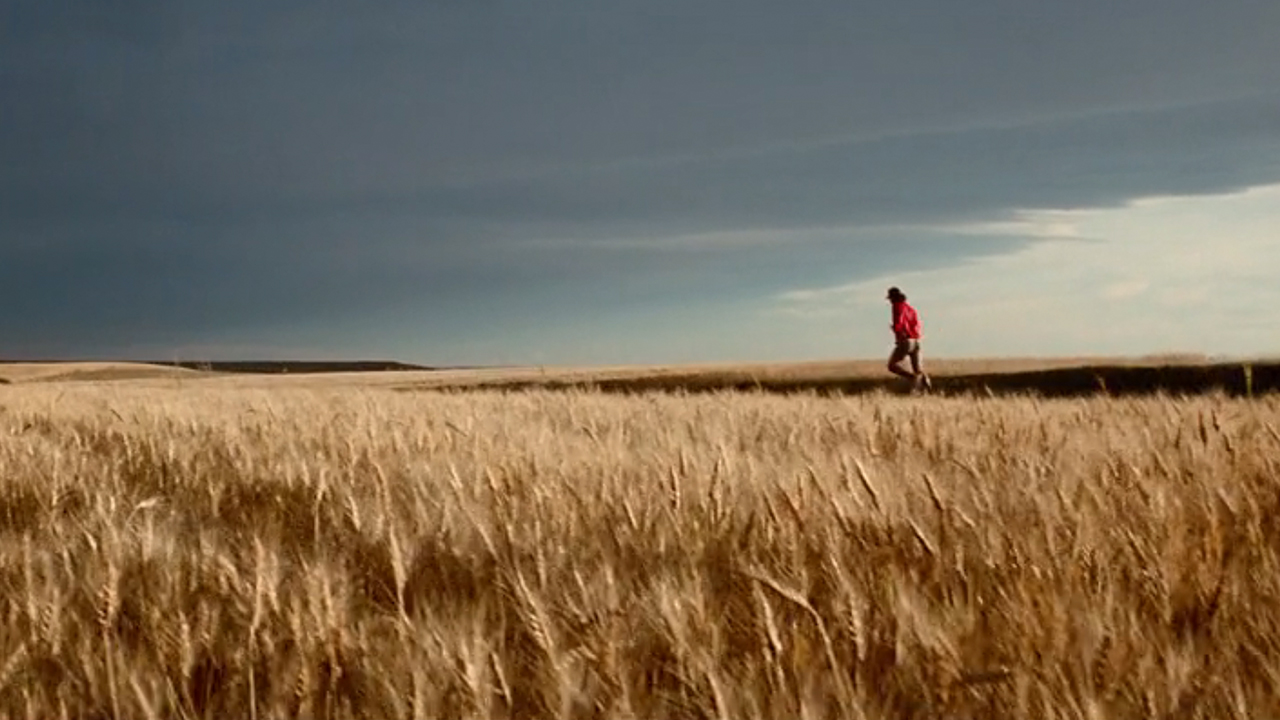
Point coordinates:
pixel 897 325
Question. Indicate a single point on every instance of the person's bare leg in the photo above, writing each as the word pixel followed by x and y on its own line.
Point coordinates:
pixel 917 366
pixel 899 354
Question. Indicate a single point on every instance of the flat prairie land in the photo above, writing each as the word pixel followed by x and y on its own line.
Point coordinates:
pixel 1051 377
pixel 1185 375
pixel 263 548
pixel 33 372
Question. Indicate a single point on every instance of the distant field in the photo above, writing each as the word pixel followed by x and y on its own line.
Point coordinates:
pixel 19 372
pixel 253 547
pixel 1044 376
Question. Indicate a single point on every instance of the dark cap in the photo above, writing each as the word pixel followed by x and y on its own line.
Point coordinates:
pixel 896 294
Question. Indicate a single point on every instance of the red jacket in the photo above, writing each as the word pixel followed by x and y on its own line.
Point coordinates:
pixel 906 322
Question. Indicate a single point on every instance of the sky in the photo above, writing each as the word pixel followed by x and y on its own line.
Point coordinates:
pixel 489 182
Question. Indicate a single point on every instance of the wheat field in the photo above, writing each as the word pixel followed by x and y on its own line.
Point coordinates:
pixel 211 552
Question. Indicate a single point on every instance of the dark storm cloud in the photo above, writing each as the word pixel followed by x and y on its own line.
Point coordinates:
pixel 171 169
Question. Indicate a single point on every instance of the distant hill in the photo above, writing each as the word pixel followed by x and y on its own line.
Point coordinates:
pixel 298 366
pixel 48 370
pixel 13 372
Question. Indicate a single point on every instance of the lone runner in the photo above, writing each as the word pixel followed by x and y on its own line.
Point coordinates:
pixel 906 334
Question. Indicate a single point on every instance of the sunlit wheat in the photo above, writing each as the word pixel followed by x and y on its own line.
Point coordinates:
pixel 212 551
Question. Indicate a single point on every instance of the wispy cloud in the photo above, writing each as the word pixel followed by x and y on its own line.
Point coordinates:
pixel 1125 289
pixel 1189 274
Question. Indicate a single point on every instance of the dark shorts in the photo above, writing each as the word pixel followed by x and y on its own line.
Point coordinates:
pixel 906 348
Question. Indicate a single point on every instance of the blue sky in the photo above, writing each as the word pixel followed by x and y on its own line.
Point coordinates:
pixel 577 182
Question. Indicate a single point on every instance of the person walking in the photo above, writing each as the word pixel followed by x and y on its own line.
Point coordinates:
pixel 906 335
